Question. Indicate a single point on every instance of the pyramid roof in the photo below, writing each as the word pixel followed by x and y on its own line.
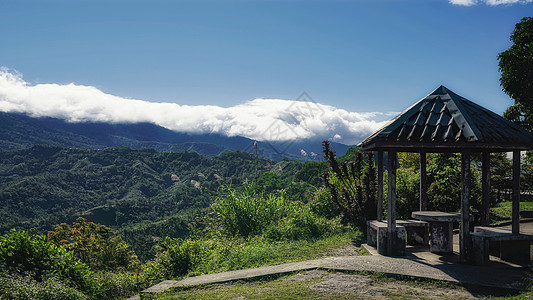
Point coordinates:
pixel 445 121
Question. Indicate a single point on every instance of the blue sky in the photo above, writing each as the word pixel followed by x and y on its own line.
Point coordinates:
pixel 358 56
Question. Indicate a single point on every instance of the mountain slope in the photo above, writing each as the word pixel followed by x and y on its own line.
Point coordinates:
pixel 20 131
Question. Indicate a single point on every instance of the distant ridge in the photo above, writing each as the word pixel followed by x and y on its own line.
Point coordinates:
pixel 19 131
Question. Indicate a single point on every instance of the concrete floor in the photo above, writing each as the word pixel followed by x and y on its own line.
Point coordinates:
pixel 424 253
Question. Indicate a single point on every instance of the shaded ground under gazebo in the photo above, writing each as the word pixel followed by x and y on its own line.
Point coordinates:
pixel 446 122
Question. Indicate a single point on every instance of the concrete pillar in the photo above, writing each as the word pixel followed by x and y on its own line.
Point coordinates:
pixel 485 181
pixel 423 182
pixel 380 186
pixel 465 244
pixel 391 203
pixel 516 192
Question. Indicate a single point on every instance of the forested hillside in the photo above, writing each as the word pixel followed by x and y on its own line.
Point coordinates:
pixel 144 193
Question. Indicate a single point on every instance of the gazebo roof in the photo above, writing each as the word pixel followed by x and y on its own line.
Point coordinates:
pixel 445 121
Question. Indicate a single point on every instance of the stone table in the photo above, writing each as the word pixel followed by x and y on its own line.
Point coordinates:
pixel 440 229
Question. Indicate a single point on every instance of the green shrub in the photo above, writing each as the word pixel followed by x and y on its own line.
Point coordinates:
pixel 407 192
pixel 30 254
pixel 247 213
pixel 119 285
pixel 322 204
pixel 273 215
pixel 16 286
pixel 302 224
pixel 178 258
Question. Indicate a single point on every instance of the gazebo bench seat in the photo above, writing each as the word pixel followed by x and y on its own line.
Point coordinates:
pixel 377 237
pixel 500 242
pixel 417 231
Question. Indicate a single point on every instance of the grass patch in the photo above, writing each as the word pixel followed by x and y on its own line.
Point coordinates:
pixel 503 210
pixel 522 296
pixel 235 254
pixel 192 258
pixel 260 289
pixel 247 230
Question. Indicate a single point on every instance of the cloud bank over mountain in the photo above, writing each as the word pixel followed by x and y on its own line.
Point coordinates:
pixel 260 119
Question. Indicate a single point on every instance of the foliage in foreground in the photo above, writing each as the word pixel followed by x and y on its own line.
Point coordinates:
pixel 246 213
pixel 353 186
pixel 247 229
pixel 30 256
pixel 33 268
pixel 18 286
pixel 186 258
pixel 244 229
pixel 142 194
pixel 503 211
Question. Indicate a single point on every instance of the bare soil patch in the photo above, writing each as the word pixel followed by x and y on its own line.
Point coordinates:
pixel 368 287
pixel 348 250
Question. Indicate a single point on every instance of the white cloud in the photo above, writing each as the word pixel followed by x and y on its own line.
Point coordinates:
pixel 499 2
pixel 488 2
pixel 260 119
pixel 464 2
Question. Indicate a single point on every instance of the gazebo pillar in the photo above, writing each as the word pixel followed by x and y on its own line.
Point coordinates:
pixel 516 192
pixel 485 182
pixel 423 182
pixel 391 204
pixel 465 244
pixel 380 186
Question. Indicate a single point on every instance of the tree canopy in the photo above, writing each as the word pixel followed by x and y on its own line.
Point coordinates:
pixel 516 67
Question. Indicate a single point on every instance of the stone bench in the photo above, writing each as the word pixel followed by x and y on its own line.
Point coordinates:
pixel 377 237
pixel 526 213
pixel 417 231
pixel 500 242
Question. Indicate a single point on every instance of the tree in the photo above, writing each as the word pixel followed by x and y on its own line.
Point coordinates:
pixel 500 176
pixel 516 67
pixel 96 245
pixel 409 160
pixel 269 182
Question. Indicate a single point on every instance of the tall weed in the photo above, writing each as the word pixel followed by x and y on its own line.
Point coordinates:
pixel 118 285
pixel 246 213
pixel 178 258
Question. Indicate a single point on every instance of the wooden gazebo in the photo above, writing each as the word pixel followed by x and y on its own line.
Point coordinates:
pixel 446 122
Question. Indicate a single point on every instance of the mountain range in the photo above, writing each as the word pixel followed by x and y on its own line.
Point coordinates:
pixel 21 131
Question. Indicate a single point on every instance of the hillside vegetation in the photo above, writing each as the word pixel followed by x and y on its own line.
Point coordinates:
pixel 273 219
pixel 144 194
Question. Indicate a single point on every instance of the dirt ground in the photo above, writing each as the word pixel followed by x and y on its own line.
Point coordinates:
pixel 348 285
pixel 380 287
pixel 348 250
pixel 369 287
